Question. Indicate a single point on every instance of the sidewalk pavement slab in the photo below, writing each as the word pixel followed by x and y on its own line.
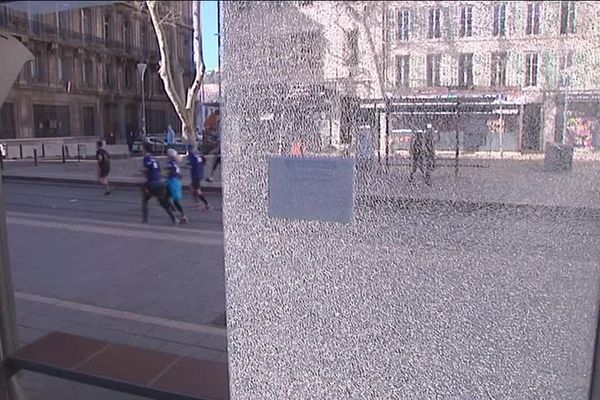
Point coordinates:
pixel 124 172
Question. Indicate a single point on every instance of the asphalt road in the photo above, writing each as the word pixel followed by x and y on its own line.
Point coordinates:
pixel 162 287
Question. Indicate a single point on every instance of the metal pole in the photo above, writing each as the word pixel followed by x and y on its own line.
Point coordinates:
pixel 141 67
pixel 9 386
pixel 35 157
pixel 63 153
pixel 43 150
pixel 143 110
pixel 219 46
pixel 564 130
pixel 21 151
pixel 501 119
pixel 457 139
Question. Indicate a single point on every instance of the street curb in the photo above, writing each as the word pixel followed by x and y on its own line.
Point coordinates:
pixel 83 181
pixel 470 206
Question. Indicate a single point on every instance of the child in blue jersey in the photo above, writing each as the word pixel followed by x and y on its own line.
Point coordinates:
pixel 174 183
pixel 154 186
pixel 196 162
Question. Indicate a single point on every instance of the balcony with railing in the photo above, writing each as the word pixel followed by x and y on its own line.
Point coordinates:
pixel 46 32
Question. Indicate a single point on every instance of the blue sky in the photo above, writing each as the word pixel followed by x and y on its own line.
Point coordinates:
pixel 210 45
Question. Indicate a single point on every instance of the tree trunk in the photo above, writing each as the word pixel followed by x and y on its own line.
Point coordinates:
pixel 171 72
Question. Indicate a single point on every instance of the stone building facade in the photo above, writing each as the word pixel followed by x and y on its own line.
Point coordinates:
pixel 526 56
pixel 84 80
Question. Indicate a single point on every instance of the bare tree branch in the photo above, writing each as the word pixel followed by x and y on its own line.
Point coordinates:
pixel 192 94
pixel 361 17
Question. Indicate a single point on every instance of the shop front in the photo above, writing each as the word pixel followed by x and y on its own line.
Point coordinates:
pixel 582 127
pixel 470 123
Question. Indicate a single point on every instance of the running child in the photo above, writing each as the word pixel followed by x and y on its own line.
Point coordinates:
pixel 174 183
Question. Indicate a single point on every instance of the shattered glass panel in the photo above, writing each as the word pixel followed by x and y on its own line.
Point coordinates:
pixel 469 266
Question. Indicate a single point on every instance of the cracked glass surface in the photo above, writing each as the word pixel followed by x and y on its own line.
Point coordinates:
pixel 478 277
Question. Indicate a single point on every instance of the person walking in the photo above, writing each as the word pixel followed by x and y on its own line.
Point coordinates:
pixel 196 162
pixel 103 159
pixel 174 183
pixel 130 140
pixel 170 136
pixel 422 152
pixel 154 187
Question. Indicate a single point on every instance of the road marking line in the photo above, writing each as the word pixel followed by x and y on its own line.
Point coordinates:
pixel 125 315
pixel 181 237
pixel 34 216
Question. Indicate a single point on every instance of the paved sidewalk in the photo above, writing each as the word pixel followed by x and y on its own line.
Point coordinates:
pixel 506 182
pixel 124 172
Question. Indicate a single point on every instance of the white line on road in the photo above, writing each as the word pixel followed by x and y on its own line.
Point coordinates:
pixel 125 315
pixel 181 236
pixel 58 218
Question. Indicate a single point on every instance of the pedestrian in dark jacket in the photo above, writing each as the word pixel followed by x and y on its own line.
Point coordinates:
pixel 422 152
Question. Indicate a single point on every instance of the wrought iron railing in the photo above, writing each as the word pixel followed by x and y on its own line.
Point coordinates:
pixel 36 28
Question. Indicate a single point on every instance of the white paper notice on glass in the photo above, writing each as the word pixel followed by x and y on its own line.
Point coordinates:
pixel 311 188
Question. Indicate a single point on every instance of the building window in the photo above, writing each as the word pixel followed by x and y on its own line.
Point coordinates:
pixel 106 29
pixel 499 61
pixel 86 22
pixel 435 29
pixel 533 17
pixel 4 16
pixel 7 122
pixel 352 46
pixel 35 23
pixel 88 72
pixel 402 71
pixel 144 38
pixel 109 79
pixel 466 21
pixel 62 19
pixel 127 36
pixel 51 120
pixel 37 67
pixel 64 69
pixel 433 69
pixel 89 127
pixel 500 19
pixel 129 76
pixel 465 69
pixel 565 67
pixel 531 69
pixel 403 24
pixel 567 17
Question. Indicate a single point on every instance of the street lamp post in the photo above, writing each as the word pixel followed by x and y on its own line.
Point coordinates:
pixel 141 67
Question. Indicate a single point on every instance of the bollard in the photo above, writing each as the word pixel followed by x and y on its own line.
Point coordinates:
pixel 35 156
pixel 21 151
pixel 78 154
pixel 67 150
pixel 2 161
pixel 43 150
pixel 63 153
